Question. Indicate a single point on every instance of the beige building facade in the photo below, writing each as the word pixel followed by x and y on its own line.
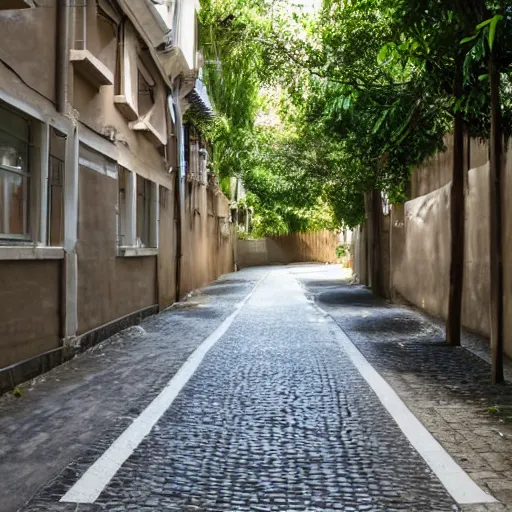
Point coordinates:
pixel 107 210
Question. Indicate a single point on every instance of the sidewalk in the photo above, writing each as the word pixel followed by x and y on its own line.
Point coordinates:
pixel 447 388
pixel 63 412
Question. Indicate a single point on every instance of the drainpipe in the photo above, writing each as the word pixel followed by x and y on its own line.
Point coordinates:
pixel 69 302
pixel 178 192
pixel 62 61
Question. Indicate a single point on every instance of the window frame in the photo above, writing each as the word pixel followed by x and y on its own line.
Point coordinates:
pixel 35 181
pixel 35 244
pixel 127 211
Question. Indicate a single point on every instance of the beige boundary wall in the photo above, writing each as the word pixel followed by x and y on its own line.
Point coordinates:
pixel 317 246
pixel 419 243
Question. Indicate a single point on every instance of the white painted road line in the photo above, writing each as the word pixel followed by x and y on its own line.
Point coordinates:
pixel 97 477
pixel 456 481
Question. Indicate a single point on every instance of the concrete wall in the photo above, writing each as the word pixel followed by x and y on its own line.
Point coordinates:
pixel 31 51
pixel 30 309
pixel 421 275
pixel 359 250
pixel 434 173
pixel 362 254
pixel 507 250
pixel 207 237
pixel 315 246
pixel 109 286
pixel 419 239
pixel 425 239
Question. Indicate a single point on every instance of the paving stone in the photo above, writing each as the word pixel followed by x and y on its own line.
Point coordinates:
pixel 276 417
pixel 447 388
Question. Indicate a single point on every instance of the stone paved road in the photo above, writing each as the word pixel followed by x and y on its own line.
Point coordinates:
pixel 96 395
pixel 447 388
pixel 276 418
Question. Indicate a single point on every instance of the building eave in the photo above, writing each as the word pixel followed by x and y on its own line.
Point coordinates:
pixel 174 63
pixel 151 28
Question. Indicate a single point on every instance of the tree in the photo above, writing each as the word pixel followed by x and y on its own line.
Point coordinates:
pixel 491 49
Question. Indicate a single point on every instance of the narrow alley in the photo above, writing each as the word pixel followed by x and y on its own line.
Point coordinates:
pixel 253 398
pixel 253 256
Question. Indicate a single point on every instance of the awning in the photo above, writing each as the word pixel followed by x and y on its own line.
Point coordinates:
pixel 199 101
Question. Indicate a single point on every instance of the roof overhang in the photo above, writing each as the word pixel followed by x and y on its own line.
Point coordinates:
pixel 174 62
pixel 148 21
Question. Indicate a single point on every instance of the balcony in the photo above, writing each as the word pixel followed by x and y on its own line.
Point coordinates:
pixel 91 68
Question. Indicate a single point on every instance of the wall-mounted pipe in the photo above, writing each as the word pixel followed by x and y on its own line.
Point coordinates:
pixel 62 61
pixel 178 186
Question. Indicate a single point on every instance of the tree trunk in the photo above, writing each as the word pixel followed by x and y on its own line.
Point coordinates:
pixel 495 171
pixel 453 322
pixel 376 228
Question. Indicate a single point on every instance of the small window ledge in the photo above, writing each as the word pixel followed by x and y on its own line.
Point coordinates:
pixel 31 253
pixel 134 252
pixel 144 126
pixel 123 105
pixel 91 68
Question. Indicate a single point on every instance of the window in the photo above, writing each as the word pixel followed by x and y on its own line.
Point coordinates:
pixel 93 51
pixel 55 201
pixel 15 177
pixel 32 156
pixel 139 96
pixel 145 89
pixel 137 212
pixel 144 189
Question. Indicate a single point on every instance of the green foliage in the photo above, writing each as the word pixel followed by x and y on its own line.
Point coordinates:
pixel 315 112
pixel 342 250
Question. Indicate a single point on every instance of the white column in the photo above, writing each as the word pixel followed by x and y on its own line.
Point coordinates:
pixel 44 152
pixel 154 215
pixel 131 209
pixel 70 237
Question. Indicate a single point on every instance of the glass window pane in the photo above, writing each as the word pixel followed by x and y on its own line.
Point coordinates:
pixel 13 204
pixel 143 211
pixel 14 124
pixel 13 153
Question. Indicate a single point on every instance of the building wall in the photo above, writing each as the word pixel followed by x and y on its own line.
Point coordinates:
pixel 87 281
pixel 30 290
pixel 317 246
pixel 31 46
pixel 207 239
pixel 166 263
pixel 109 286
pixel 188 31
pixel 30 309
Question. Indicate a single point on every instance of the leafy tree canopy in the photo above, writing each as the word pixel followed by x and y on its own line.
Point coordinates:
pixel 315 111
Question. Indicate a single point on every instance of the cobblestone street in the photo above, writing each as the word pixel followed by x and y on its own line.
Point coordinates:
pixel 277 417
